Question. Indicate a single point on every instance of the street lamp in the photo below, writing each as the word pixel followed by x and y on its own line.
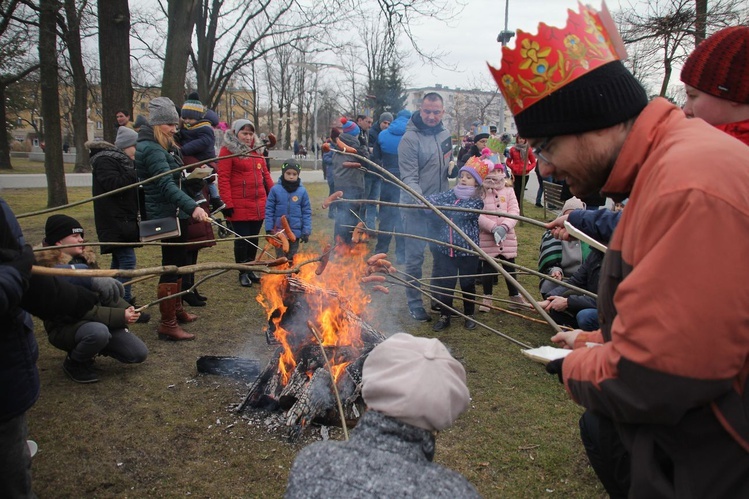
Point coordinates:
pixel 315 67
pixel 504 38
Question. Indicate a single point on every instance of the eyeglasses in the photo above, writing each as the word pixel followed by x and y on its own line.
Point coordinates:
pixel 539 150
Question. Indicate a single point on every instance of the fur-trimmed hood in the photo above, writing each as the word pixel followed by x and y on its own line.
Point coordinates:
pixel 99 145
pixel 232 143
pixel 54 257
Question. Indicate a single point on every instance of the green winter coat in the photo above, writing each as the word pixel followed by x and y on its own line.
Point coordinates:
pixel 163 196
pixel 62 335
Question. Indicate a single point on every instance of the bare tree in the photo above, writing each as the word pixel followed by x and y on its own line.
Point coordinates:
pixel 56 192
pixel 70 27
pixel 114 61
pixel 181 15
pixel 17 61
pixel 665 30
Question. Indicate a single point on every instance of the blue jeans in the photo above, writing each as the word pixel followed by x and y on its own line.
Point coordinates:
pixel 346 215
pixel 124 258
pixel 372 187
pixel 587 319
pixel 390 221
pixel 413 223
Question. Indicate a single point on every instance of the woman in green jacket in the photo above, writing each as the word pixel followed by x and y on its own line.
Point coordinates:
pixel 157 153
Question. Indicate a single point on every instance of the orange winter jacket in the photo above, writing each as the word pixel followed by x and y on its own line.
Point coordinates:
pixel 673 293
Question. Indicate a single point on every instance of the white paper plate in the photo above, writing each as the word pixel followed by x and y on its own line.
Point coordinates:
pixel 32 447
pixel 544 355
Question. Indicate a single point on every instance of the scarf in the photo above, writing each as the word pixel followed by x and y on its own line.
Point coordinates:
pixel 290 186
pixel 523 148
pixel 464 192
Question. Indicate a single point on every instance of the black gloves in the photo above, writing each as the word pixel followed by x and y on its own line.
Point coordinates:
pixel 304 238
pixel 193 186
pixel 21 260
pixel 228 212
pixel 555 367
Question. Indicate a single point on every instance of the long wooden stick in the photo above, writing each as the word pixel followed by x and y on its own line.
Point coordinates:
pixel 332 379
pixel 459 231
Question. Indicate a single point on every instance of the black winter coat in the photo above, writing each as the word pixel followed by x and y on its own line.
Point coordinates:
pixel 116 216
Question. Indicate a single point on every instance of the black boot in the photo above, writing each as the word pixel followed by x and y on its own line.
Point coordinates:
pixel 192 300
pixel 442 323
pixel 80 372
pixel 200 297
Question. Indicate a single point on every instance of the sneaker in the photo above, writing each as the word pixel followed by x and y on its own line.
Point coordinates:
pixel 470 323
pixel 519 303
pixel 216 205
pixel 486 302
pixel 442 323
pixel 539 205
pixel 80 372
pixel 420 314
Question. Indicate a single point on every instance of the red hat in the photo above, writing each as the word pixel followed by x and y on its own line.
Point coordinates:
pixel 719 66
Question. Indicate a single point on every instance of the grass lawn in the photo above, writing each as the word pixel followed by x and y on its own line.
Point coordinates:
pixel 161 430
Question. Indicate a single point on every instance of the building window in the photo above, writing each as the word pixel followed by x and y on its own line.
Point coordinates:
pixel 19 121
pixel 98 125
pixel 246 115
pixel 245 102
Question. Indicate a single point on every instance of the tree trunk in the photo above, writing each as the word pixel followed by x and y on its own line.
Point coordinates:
pixel 181 15
pixel 4 145
pixel 700 24
pixel 114 60
pixel 56 192
pixel 80 104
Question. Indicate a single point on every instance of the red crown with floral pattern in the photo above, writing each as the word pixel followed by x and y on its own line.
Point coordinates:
pixel 542 64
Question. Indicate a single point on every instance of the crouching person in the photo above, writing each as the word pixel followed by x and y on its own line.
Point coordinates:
pixel 103 329
pixel 413 388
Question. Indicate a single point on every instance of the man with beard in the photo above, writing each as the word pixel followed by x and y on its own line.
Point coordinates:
pixel 672 359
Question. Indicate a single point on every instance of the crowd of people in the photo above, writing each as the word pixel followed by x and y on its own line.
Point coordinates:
pixel 659 358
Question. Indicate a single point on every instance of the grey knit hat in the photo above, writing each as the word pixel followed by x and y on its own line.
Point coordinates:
pixel 161 111
pixel 240 124
pixel 386 117
pixel 140 121
pixel 126 137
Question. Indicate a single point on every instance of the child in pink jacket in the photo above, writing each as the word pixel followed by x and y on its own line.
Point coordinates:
pixel 497 234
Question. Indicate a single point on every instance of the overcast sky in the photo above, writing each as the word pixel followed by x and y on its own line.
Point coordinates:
pixel 471 37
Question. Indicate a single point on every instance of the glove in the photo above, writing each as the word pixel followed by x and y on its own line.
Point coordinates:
pixel 304 238
pixel 21 260
pixel 555 367
pixel 500 233
pixel 228 212
pixel 109 290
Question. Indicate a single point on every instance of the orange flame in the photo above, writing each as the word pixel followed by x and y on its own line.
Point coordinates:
pixel 341 277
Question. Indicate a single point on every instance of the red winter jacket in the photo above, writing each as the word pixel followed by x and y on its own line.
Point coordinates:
pixel 243 182
pixel 515 162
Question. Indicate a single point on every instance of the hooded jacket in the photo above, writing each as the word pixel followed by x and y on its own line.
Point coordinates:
pixel 499 199
pixel 424 158
pixel 673 304
pixel 295 205
pixel 244 181
pixel 163 196
pixel 388 141
pixel 348 178
pixel 116 216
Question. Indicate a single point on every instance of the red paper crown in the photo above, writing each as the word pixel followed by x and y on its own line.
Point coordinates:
pixel 541 64
pixel 480 165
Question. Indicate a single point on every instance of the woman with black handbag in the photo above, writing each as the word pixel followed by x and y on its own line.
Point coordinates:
pixel 157 153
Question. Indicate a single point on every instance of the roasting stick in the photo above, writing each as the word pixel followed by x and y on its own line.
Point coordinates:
pixel 271 143
pixel 513 265
pixel 332 379
pixel 578 234
pixel 459 231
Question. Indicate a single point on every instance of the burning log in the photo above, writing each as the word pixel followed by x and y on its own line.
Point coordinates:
pixel 296 380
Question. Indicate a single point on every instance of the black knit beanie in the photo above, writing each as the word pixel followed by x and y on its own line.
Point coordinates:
pixel 604 97
pixel 59 227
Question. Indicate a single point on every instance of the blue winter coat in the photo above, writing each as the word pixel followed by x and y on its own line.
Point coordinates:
pixel 388 141
pixel 467 222
pixel 198 140
pixel 295 205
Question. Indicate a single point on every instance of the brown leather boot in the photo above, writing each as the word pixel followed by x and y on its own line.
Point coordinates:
pixel 168 326
pixel 183 316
